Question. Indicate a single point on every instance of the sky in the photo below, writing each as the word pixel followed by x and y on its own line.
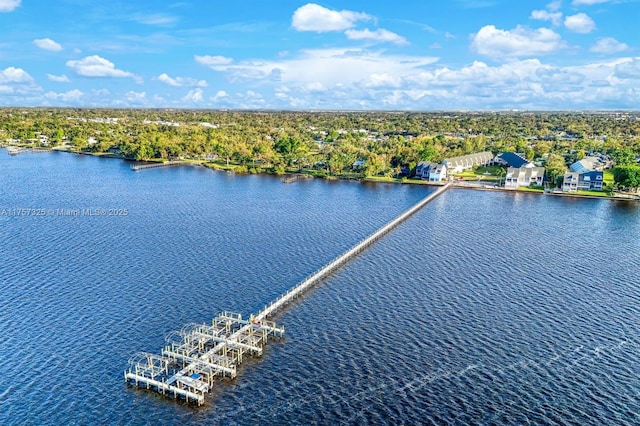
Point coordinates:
pixel 329 55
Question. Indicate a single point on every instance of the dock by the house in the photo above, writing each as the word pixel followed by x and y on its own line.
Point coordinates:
pixel 15 150
pixel 136 167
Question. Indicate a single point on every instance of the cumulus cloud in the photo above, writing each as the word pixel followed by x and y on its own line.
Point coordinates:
pixel 313 17
pixel 545 15
pixel 380 35
pixel 523 84
pixel 47 44
pixel 580 23
pixel 14 75
pixel 213 62
pixel 9 5
pixel 181 81
pixel 314 87
pixel 58 78
pixel 608 45
pixel 96 66
pixel 220 95
pixel 136 97
pixel 16 82
pixel 629 69
pixel 71 96
pixel 519 42
pixel 194 96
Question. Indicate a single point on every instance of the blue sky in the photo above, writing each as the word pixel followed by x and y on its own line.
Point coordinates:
pixel 339 54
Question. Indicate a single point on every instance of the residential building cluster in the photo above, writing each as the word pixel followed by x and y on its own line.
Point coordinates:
pixel 585 174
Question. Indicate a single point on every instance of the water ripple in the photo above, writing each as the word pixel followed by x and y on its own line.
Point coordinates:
pixel 483 308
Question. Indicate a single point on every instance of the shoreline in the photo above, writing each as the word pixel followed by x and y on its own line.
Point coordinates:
pixel 475 185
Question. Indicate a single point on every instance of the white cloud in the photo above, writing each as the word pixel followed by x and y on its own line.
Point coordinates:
pixel 136 97
pixel 12 75
pixel 9 5
pixel 71 96
pixel 16 83
pixel 193 96
pixel 609 45
pixel 554 5
pixel 630 69
pixel 519 42
pixel 314 87
pixel 221 95
pixel 589 2
pixel 181 81
pixel 580 23
pixel 545 15
pixel 213 62
pixel 383 80
pixel 326 66
pixel 47 44
pixel 379 35
pixel 58 78
pixel 313 17
pixel 96 66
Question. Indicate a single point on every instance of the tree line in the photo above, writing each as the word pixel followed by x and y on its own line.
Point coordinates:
pixel 329 143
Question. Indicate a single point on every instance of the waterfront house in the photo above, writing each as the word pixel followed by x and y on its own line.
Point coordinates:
pixel 524 176
pixel 591 163
pixel 587 181
pixel 511 159
pixel 467 162
pixel 432 172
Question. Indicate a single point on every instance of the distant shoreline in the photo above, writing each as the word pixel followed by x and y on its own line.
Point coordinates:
pixel 473 185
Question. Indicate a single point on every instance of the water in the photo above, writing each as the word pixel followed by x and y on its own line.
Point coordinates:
pixel 484 308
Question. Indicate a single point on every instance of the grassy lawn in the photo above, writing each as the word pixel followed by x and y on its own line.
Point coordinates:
pixel 492 170
pixel 607 178
pixel 382 179
pixel 591 193
pixel 487 174
pixel 467 174
pixel 531 189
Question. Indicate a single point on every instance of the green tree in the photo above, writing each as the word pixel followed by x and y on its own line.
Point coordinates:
pixel 623 157
pixel 79 143
pixel 627 176
pixel 555 167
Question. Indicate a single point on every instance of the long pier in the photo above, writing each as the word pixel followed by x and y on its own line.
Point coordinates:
pixel 199 354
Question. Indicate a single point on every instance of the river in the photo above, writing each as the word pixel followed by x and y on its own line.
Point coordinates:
pixel 483 308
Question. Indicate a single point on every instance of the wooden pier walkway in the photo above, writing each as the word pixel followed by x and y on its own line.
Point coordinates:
pixel 136 167
pixel 200 353
pixel 295 177
pixel 322 273
pixel 15 150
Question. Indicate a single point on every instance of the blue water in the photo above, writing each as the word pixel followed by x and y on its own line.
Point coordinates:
pixel 484 308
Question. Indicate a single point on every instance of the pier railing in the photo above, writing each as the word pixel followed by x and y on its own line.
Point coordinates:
pixel 339 261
